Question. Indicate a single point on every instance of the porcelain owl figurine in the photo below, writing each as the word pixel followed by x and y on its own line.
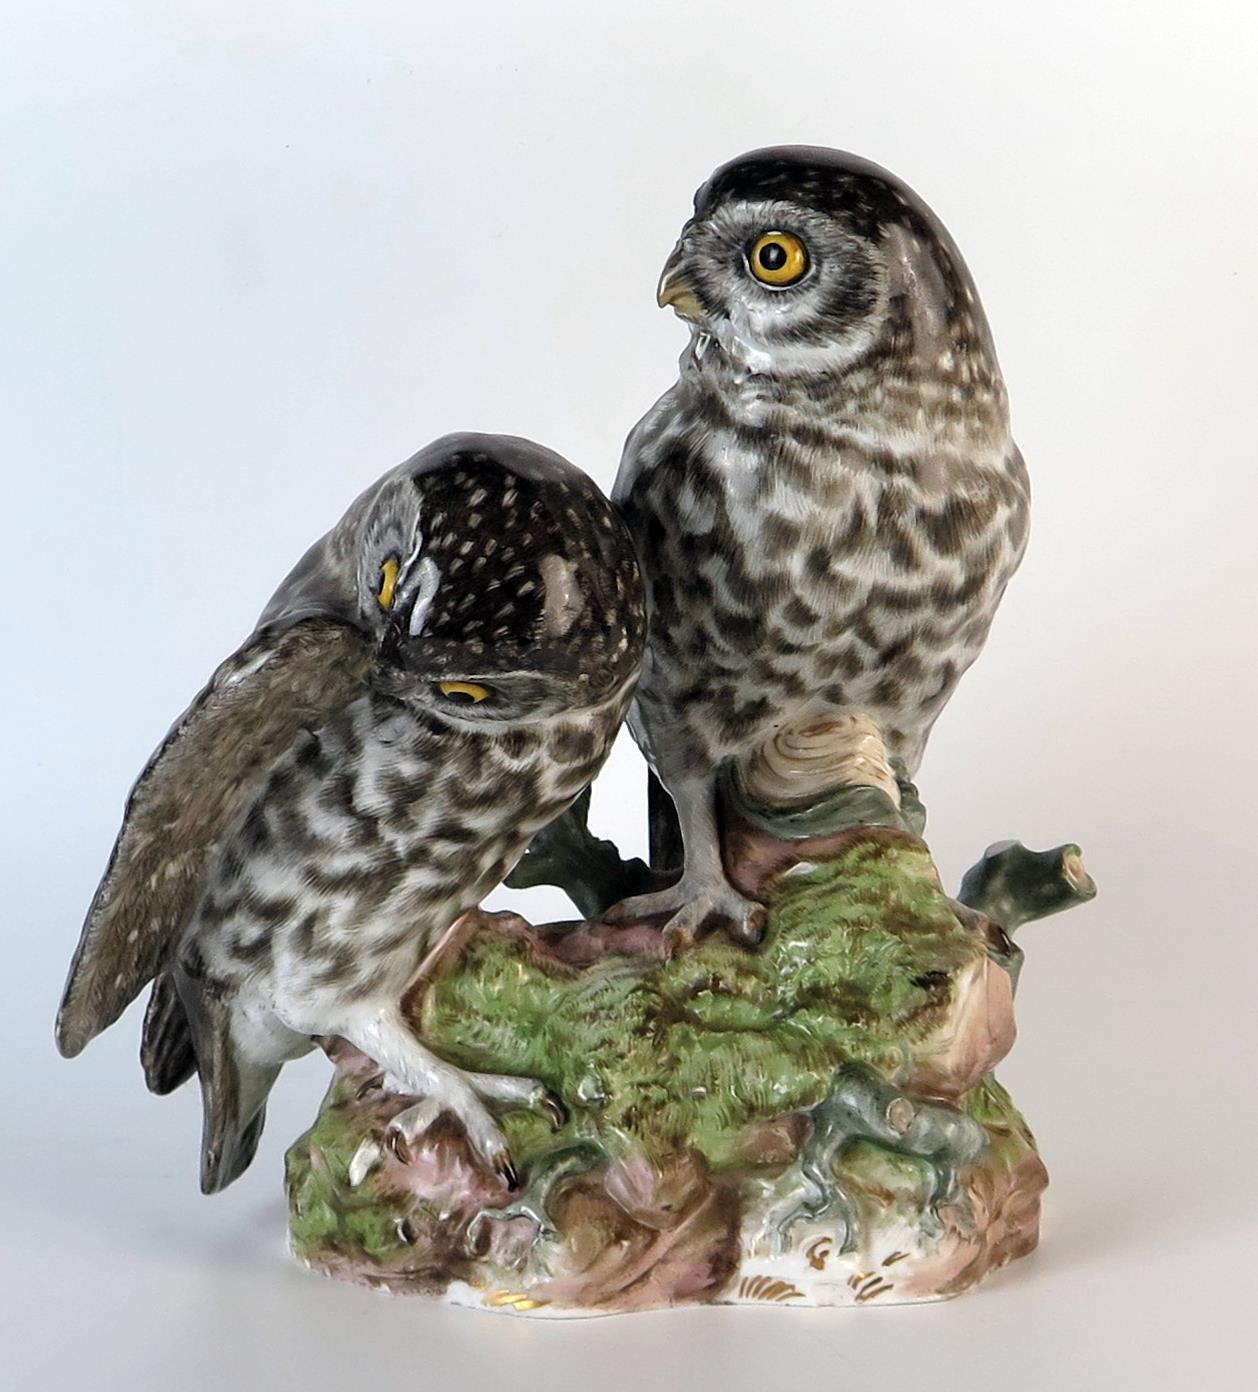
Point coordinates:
pixel 828 503
pixel 440 676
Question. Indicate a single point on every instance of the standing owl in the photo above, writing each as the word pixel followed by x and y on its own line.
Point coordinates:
pixel 828 503
pixel 439 677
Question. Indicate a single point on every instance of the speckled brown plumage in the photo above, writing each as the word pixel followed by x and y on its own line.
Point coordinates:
pixel 330 804
pixel 828 503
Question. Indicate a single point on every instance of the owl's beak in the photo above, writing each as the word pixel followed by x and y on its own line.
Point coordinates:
pixel 674 289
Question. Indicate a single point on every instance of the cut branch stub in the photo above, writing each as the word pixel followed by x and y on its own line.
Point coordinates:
pixel 1013 885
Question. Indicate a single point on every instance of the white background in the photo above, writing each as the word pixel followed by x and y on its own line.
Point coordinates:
pixel 252 254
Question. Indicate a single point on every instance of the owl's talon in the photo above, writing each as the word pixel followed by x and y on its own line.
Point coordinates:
pixel 691 909
pixel 400 1148
pixel 552 1107
pixel 483 1134
pixel 750 929
pixel 364 1161
pixel 741 919
pixel 678 937
pixel 745 926
pixel 373 1084
pixel 640 907
pixel 504 1092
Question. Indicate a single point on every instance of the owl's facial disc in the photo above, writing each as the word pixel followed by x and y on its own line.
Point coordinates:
pixel 496 594
pixel 433 652
pixel 495 698
pixel 782 287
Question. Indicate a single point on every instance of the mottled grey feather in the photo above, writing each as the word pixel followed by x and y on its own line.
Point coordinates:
pixel 827 504
pixel 166 1052
pixel 233 1091
pixel 341 793
pixel 196 786
pixel 326 579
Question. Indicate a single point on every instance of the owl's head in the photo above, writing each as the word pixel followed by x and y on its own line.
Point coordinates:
pixel 800 261
pixel 499 583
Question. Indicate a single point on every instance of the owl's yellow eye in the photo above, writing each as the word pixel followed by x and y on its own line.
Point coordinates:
pixel 388 583
pixel 778 258
pixel 472 693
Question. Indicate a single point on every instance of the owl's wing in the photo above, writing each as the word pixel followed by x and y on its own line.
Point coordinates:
pixel 196 786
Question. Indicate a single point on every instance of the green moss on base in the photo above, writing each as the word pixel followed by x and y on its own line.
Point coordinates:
pixel 327 1216
pixel 687 1081
pixel 857 964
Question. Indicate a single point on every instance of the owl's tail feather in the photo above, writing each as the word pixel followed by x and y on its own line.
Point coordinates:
pixel 234 1090
pixel 166 1051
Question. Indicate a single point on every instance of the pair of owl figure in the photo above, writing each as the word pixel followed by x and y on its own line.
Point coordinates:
pixel 816 521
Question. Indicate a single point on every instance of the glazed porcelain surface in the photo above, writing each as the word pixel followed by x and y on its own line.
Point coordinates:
pixel 758 1067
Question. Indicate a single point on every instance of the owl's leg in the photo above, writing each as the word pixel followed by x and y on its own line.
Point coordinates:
pixel 703 892
pixel 384 1035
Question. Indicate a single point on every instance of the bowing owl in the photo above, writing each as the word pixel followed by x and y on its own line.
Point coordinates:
pixel 828 503
pixel 440 676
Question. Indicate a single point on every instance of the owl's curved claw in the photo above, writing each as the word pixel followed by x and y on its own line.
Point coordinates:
pixel 409 1125
pixel 373 1084
pixel 506 1092
pixel 508 1173
pixel 552 1107
pixel 363 1162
